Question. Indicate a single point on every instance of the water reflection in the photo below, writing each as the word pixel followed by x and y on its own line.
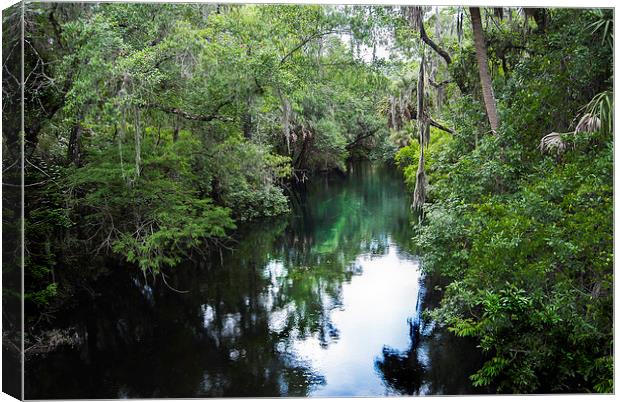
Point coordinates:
pixel 374 312
pixel 324 302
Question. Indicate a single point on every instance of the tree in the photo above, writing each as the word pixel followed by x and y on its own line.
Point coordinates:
pixel 483 69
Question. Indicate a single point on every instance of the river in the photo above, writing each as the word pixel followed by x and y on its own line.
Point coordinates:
pixel 326 301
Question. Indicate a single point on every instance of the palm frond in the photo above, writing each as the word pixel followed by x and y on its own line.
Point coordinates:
pixel 602 107
pixel 588 124
pixel 604 23
pixel 552 143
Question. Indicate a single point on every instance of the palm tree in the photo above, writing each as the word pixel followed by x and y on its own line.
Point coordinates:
pixel 483 69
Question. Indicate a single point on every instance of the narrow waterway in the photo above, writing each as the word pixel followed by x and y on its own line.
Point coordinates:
pixel 324 302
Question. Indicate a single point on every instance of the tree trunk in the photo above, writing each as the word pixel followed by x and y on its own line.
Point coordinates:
pixel 286 121
pixel 248 123
pixel 419 193
pixel 483 69
pixel 177 129
pixel 138 142
pixel 74 150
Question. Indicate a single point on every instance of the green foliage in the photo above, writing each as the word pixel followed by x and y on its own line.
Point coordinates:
pixel 166 126
pixel 604 24
pixel 47 220
pixel 407 157
pixel 247 177
pixel 171 233
pixel 167 215
pixel 526 240
pixel 330 146
pixel 602 106
pixel 553 239
pixel 43 297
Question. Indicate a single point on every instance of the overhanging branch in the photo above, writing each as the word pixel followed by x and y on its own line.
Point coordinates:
pixel 432 44
pixel 414 116
pixel 359 139
pixel 190 116
pixel 441 127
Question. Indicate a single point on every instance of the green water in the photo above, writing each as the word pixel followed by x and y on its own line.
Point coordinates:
pixel 324 302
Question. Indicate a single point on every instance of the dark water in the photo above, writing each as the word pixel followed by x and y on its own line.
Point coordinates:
pixel 324 302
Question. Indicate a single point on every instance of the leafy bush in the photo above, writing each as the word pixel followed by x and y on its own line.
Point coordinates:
pixel 533 275
pixel 172 232
pixel 152 218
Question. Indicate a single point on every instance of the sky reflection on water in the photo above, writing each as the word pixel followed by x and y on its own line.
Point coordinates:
pixel 376 305
pixel 323 302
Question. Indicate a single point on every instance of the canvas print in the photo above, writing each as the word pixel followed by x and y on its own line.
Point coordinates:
pixel 277 200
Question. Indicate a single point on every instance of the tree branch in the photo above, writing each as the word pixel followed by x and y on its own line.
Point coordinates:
pixel 359 139
pixel 432 44
pixel 414 116
pixel 304 42
pixel 190 116
pixel 441 127
pixel 439 84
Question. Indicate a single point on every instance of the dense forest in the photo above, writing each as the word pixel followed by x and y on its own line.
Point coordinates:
pixel 153 132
